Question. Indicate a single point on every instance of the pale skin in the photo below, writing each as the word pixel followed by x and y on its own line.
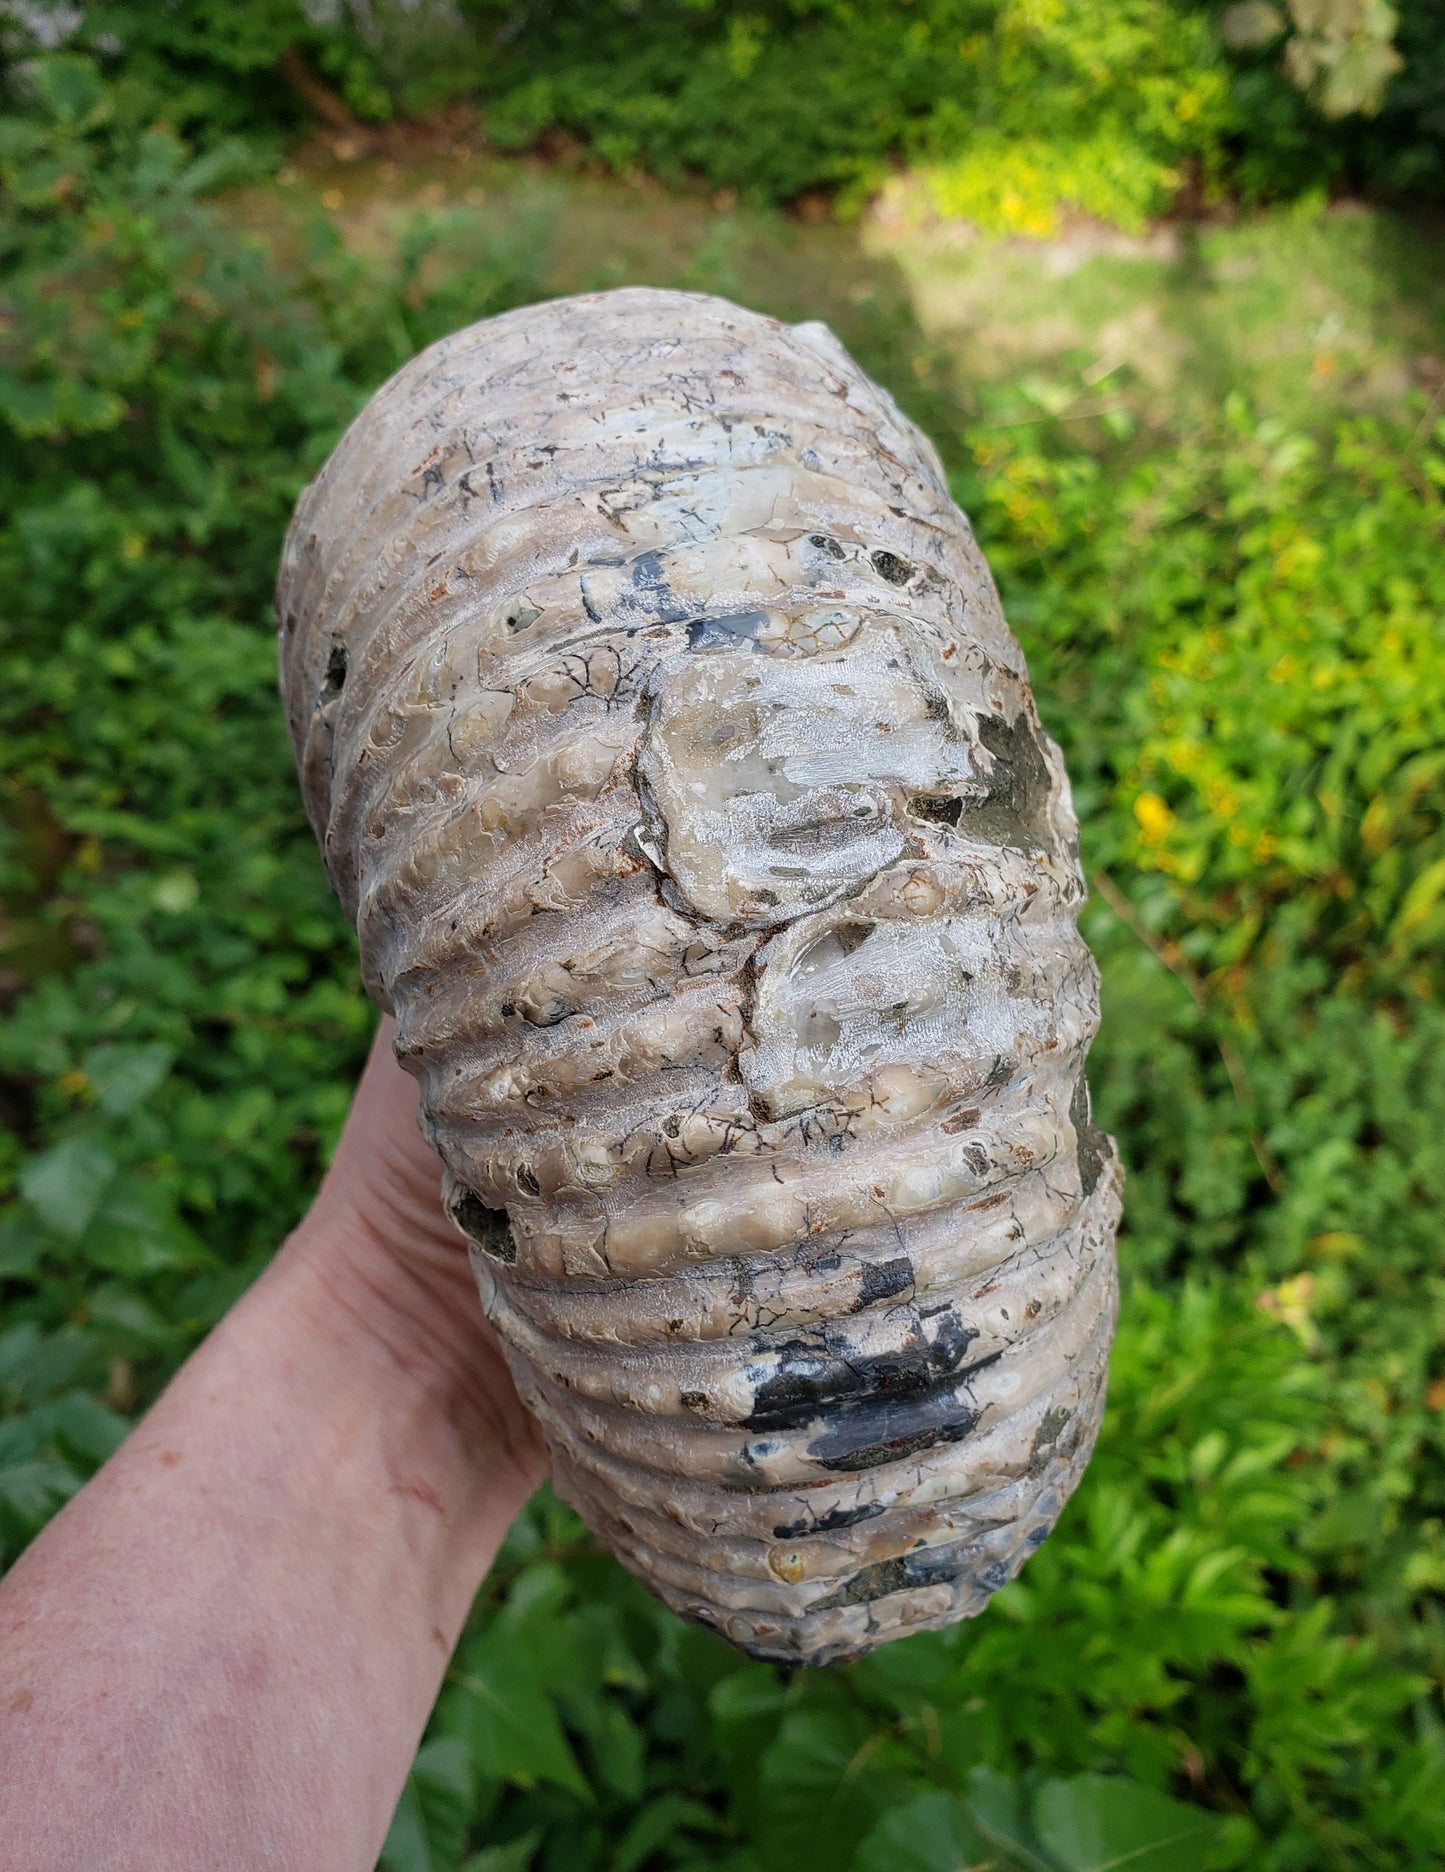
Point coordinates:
pixel 223 1652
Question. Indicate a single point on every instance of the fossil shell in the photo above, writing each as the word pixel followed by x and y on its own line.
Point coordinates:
pixel 666 744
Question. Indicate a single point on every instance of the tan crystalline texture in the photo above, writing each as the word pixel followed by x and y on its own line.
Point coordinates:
pixel 667 745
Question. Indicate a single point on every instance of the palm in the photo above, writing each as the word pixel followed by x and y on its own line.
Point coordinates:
pixel 407 1263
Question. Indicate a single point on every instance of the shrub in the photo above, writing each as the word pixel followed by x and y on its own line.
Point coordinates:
pixel 1016 111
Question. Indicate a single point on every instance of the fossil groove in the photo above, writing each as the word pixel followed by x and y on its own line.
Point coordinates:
pixel 667 746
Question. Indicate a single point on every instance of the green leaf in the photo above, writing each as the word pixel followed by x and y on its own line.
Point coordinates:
pixel 91 1429
pixel 660 1822
pixel 131 1317
pixel 1106 1823
pixel 999 1807
pixel 66 1184
pixel 22 1242
pixel 930 1833
pixel 515 1856
pixel 128 828
pixel 176 892
pixel 222 167
pixel 514 1731
pixel 125 1076
pixel 618 1750
pixel 34 1489
pixel 135 1230
pixel 70 87
pixel 748 1694
pixel 36 1366
pixel 823 1783
pixel 429 1828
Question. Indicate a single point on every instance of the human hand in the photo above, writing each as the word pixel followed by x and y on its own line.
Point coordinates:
pixel 390 1258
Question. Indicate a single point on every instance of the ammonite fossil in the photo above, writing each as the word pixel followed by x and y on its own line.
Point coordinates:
pixel 666 743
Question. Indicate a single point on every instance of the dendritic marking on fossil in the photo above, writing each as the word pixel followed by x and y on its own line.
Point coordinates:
pixel 667 745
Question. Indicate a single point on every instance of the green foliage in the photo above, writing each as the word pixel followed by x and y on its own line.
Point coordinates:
pixel 209 67
pixel 1337 89
pixel 1014 112
pixel 181 1056
pixel 1013 107
pixel 683 1753
pixel 1230 1651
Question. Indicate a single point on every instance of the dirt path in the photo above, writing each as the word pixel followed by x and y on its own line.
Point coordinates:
pixel 1304 310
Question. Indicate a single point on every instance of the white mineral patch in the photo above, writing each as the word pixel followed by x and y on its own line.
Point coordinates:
pixel 775 778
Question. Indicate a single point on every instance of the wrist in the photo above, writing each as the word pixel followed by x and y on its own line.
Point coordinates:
pixel 404 1338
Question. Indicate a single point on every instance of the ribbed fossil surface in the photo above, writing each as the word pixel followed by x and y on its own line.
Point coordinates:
pixel 668 748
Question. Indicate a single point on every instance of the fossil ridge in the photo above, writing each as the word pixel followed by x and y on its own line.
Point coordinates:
pixel 667 746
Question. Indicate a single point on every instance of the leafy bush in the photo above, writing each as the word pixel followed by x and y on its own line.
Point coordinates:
pixel 189 1004
pixel 1014 111
pixel 1013 108
pixel 1238 639
pixel 1227 1654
